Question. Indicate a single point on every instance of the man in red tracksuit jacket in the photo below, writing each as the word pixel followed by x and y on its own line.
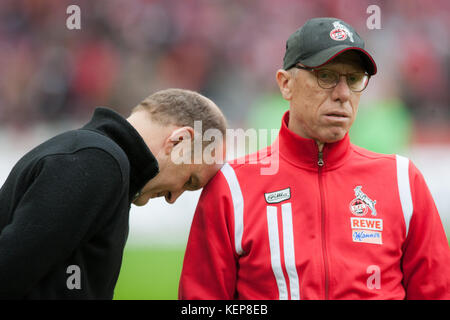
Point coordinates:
pixel 334 221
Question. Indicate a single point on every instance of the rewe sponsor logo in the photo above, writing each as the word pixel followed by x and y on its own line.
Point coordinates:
pixel 367 230
pixel 367 224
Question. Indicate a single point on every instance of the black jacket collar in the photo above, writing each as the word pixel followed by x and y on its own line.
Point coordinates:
pixel 143 165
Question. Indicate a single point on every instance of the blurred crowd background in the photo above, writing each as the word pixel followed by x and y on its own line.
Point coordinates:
pixel 229 50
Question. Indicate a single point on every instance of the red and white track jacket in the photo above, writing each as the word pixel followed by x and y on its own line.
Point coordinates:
pixel 344 224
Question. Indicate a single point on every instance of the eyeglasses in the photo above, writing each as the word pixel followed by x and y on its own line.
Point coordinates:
pixel 328 79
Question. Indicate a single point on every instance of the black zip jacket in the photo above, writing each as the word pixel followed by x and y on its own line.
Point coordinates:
pixel 64 211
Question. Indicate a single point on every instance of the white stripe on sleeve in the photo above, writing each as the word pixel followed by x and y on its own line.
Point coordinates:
pixel 404 189
pixel 238 204
pixel 275 256
pixel 289 253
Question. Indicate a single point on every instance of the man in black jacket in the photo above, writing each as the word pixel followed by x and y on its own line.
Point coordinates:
pixel 64 207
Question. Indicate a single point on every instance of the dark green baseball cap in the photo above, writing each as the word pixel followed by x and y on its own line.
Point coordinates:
pixel 320 40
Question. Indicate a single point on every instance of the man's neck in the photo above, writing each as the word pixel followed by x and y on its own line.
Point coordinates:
pixel 294 127
pixel 320 145
pixel 152 133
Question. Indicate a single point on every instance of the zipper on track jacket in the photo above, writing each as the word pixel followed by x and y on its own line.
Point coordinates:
pixel 320 164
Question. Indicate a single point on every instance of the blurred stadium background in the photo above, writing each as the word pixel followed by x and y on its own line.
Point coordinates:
pixel 52 78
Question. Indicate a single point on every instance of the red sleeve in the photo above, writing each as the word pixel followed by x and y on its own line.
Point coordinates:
pixel 209 268
pixel 426 257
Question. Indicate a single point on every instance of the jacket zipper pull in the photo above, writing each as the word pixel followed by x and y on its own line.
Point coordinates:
pixel 320 163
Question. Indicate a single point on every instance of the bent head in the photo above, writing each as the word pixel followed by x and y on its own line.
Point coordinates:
pixel 173 123
pixel 175 179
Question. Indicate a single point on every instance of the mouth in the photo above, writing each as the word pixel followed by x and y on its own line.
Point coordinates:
pixel 336 116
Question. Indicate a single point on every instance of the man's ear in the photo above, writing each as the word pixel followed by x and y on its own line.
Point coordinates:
pixel 176 137
pixel 284 80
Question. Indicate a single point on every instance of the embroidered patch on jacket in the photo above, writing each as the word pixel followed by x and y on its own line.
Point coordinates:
pixel 365 230
pixel 278 196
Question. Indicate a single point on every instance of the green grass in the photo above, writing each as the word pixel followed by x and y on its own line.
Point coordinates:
pixel 149 274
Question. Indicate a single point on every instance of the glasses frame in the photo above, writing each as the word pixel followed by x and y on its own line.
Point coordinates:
pixel 340 74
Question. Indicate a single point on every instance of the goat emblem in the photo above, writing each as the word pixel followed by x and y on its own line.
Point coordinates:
pixel 365 199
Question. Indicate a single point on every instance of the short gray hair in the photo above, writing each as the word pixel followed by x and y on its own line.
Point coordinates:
pixel 182 108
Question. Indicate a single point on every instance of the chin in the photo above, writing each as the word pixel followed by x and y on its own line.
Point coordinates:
pixel 334 136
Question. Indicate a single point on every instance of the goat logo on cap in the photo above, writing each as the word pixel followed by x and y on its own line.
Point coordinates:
pixel 340 32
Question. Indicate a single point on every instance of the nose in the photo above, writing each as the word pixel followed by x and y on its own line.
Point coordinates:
pixel 173 196
pixel 341 92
